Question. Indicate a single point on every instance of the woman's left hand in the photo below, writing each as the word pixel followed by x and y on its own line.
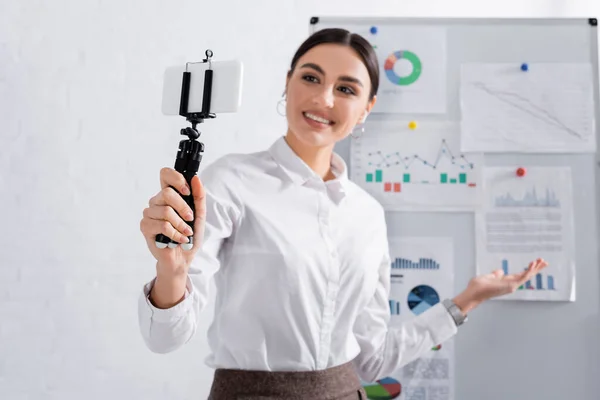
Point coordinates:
pixel 494 284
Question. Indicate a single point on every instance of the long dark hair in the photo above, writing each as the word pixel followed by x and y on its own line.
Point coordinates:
pixel 344 37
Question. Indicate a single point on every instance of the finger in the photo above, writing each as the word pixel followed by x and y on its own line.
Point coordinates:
pixel 199 195
pixel 152 227
pixel 169 197
pixel 519 276
pixel 525 271
pixel 528 273
pixel 539 265
pixel 542 264
pixel 170 177
pixel 166 213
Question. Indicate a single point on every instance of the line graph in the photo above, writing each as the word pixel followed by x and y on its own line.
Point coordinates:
pixel 424 170
pixel 443 152
pixel 378 160
pixel 549 108
pixel 520 103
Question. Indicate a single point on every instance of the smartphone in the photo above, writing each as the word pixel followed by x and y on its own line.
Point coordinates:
pixel 226 94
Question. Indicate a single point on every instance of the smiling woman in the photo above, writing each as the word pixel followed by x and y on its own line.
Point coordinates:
pixel 298 251
pixel 330 88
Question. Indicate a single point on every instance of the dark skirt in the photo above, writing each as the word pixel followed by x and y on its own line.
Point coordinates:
pixel 337 383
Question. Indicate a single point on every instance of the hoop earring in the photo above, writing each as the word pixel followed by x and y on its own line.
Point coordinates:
pixel 281 104
pixel 362 130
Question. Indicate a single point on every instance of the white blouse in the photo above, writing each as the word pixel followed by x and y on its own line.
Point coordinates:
pixel 302 272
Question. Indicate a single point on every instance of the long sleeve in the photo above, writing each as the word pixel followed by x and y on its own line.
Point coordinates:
pixel 165 330
pixel 384 348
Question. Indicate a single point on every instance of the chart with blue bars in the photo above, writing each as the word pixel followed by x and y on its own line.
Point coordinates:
pixel 539 280
pixel 423 263
pixel 530 199
pixel 394 307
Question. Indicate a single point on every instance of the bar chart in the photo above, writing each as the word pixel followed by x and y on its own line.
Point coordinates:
pixel 529 199
pixel 394 307
pixel 444 158
pixel 396 187
pixel 417 171
pixel 423 263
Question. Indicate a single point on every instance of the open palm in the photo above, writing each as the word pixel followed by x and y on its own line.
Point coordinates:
pixel 497 283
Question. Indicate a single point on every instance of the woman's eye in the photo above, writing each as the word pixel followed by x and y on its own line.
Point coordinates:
pixel 347 90
pixel 309 78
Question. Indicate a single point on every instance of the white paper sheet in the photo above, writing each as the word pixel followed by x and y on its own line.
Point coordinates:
pixel 524 218
pixel 548 108
pixel 416 170
pixel 422 276
pixel 412 67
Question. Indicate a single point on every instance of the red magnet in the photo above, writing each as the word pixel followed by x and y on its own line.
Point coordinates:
pixel 521 171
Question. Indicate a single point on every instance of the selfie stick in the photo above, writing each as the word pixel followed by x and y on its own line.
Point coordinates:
pixel 190 151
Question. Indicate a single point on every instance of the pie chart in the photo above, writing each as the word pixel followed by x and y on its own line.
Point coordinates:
pixel 409 56
pixel 422 298
pixel 383 389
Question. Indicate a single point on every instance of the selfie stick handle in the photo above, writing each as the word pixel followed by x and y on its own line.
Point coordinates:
pixel 189 154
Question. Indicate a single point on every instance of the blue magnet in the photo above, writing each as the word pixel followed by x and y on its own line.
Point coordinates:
pixel 524 67
pixel 373 30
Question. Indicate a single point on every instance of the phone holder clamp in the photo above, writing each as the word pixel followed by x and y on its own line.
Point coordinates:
pixel 190 151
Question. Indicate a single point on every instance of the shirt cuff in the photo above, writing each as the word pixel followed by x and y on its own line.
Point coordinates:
pixel 168 314
pixel 441 322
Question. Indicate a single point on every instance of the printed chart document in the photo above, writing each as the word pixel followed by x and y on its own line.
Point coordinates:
pixel 422 275
pixel 416 170
pixel 547 108
pixel 412 67
pixel 524 218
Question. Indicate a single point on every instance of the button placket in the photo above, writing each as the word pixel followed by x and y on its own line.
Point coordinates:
pixel 333 276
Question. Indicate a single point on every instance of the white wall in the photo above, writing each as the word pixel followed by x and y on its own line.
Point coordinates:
pixel 81 145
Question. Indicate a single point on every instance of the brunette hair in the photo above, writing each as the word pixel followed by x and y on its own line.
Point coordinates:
pixel 344 37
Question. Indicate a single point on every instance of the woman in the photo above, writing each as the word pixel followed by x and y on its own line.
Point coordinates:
pixel 299 253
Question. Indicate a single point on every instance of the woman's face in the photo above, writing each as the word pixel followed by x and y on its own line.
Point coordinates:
pixel 327 94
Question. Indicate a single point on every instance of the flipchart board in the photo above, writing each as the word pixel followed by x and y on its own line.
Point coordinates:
pixel 483 149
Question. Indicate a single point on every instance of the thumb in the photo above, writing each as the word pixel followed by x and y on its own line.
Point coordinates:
pixel 498 273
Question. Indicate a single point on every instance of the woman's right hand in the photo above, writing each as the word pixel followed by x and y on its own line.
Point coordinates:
pixel 163 216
